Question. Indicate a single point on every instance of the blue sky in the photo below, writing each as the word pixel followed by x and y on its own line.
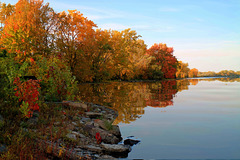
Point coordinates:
pixel 204 33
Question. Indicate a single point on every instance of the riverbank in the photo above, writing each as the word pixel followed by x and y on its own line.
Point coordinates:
pixel 76 130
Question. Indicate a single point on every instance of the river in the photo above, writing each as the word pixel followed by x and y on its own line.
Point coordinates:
pixel 177 119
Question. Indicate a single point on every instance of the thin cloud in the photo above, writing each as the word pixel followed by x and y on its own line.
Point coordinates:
pixel 113 26
pixel 90 12
pixel 141 26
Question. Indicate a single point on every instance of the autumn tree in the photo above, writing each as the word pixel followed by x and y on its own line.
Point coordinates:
pixel 182 70
pixel 124 45
pixel 72 36
pixel 134 51
pixel 139 60
pixel 193 73
pixel 26 30
pixel 113 54
pixel 99 55
pixel 163 60
pixel 5 12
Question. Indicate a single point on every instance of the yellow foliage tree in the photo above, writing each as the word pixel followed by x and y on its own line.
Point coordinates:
pixel 182 70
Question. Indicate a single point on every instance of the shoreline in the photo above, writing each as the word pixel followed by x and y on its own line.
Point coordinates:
pixel 119 81
pixel 87 134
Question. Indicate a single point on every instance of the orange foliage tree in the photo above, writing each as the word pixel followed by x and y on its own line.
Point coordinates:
pixel 193 72
pixel 5 11
pixel 164 59
pixel 99 57
pixel 72 36
pixel 26 30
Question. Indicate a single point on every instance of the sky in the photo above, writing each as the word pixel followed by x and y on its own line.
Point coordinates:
pixel 205 34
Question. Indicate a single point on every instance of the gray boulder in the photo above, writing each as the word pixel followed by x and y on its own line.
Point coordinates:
pixel 116 148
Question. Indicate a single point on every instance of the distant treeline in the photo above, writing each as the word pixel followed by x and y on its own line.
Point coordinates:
pixel 223 73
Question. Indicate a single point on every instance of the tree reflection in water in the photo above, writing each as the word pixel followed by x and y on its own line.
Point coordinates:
pixel 130 98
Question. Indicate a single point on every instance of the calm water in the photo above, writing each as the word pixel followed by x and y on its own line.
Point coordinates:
pixel 195 118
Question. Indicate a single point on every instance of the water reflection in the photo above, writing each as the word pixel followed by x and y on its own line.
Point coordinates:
pixel 130 98
pixel 162 94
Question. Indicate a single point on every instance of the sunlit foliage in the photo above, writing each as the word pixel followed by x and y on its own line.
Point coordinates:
pixel 182 70
pixel 193 73
pixel 5 11
pixel 25 32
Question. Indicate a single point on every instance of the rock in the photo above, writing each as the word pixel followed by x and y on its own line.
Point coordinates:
pixel 106 157
pixel 71 136
pixel 93 148
pixel 90 123
pixel 85 119
pixel 78 149
pixel 3 148
pixel 78 134
pixel 81 135
pixel 116 148
pixel 131 142
pixel 105 135
pixel 78 105
pixel 97 110
pixel 93 114
pixel 74 123
pixel 116 131
pixel 96 125
pixel 104 112
pixel 100 123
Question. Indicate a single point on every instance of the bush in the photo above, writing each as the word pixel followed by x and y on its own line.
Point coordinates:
pixel 57 81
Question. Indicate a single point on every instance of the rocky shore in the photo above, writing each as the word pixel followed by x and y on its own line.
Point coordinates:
pixel 97 137
pixel 89 134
